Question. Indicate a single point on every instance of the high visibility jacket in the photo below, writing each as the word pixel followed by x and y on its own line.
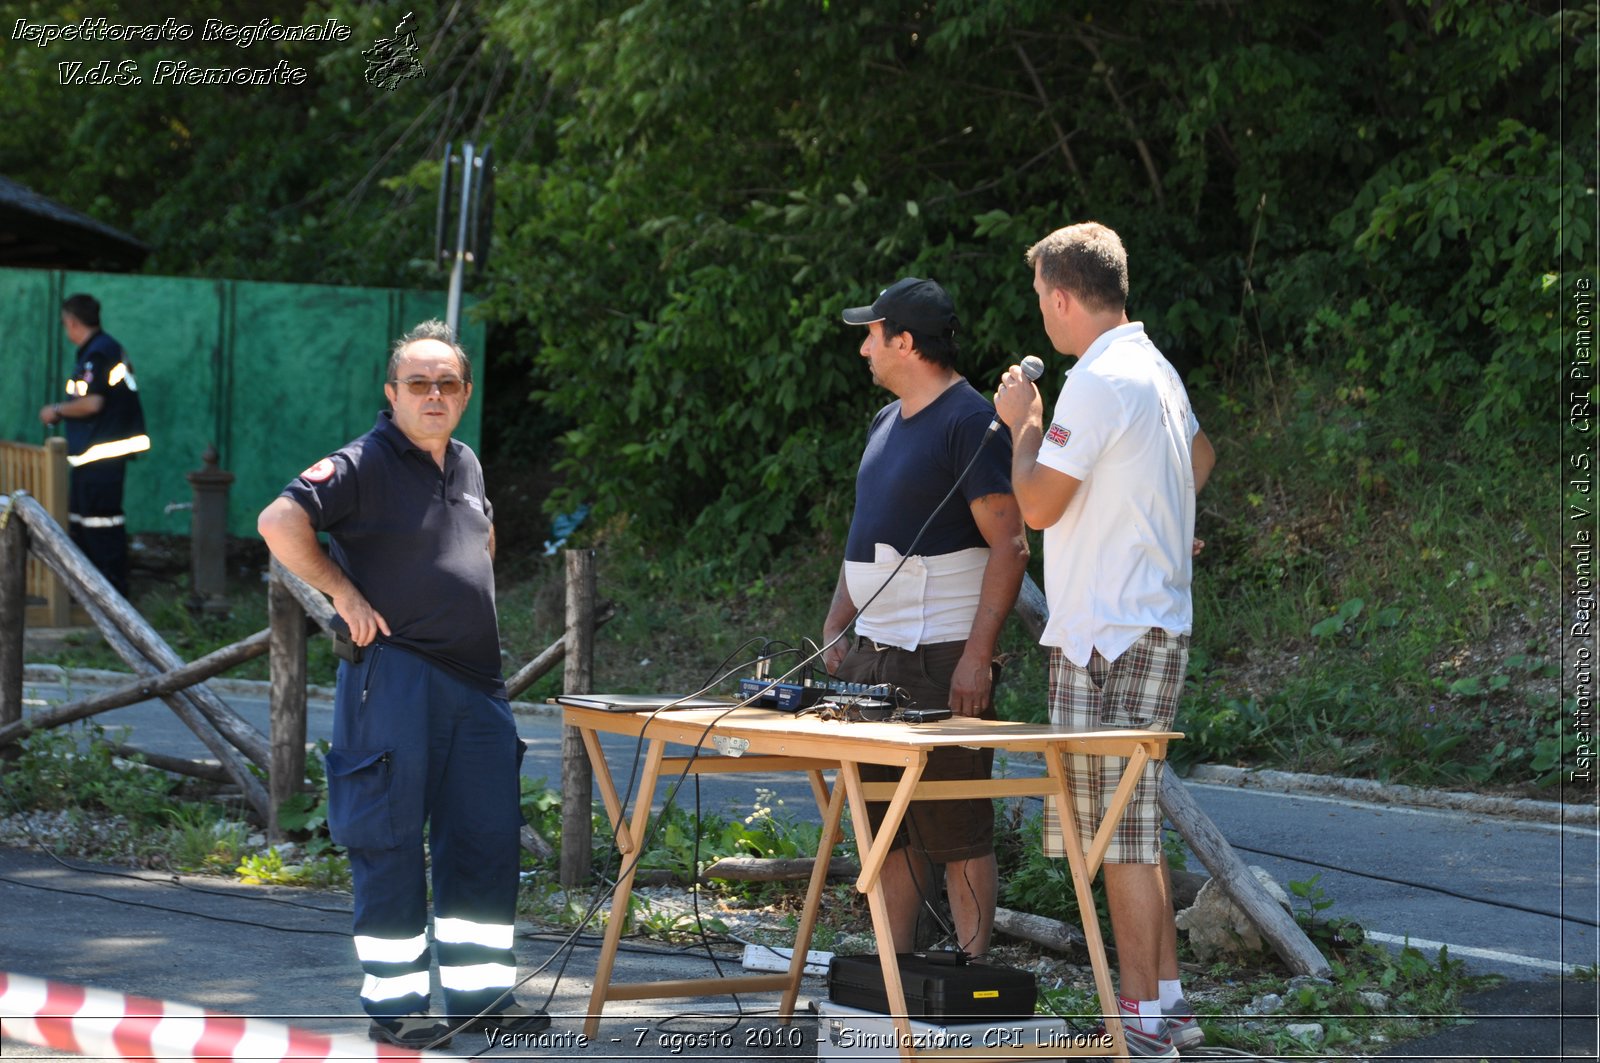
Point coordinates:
pixel 117 431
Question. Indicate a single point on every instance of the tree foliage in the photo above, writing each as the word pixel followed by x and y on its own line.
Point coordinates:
pixel 689 193
pixel 332 180
pixel 1375 187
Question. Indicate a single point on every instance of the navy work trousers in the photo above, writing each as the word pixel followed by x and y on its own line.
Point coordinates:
pixel 99 529
pixel 414 745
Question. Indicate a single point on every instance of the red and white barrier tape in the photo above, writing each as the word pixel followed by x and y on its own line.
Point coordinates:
pixel 99 1023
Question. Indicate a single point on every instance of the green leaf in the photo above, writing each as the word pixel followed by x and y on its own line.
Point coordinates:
pixel 1330 626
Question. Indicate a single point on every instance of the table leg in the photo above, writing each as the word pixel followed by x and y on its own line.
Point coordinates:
pixel 819 790
pixel 624 890
pixel 1118 806
pixel 832 815
pixel 608 788
pixel 874 851
pixel 1082 881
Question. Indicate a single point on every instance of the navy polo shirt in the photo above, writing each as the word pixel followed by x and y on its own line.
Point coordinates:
pixel 414 539
pixel 908 466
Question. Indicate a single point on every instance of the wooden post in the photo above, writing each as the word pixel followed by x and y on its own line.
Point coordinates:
pixel 577 775
pixel 13 610
pixel 549 657
pixel 1229 872
pixel 287 622
pixel 315 604
pixel 1208 843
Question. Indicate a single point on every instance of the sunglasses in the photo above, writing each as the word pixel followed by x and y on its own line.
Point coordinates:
pixel 419 385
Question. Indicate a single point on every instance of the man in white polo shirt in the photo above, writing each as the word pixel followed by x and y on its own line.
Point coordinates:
pixel 1112 481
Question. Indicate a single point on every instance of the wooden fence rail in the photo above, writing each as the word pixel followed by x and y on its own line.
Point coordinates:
pixel 229 738
pixel 30 534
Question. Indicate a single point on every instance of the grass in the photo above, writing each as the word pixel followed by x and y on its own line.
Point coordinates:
pixel 1375 599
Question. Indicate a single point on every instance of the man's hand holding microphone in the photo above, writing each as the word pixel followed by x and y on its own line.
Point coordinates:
pixel 1017 402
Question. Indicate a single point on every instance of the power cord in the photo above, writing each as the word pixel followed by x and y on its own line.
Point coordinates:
pixel 51 853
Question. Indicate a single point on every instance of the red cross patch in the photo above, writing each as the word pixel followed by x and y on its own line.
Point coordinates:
pixel 1058 435
pixel 319 472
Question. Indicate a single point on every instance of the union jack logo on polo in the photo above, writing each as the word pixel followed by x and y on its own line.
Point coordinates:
pixel 1058 435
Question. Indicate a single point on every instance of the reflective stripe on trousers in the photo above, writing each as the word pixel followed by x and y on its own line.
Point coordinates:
pixel 97 522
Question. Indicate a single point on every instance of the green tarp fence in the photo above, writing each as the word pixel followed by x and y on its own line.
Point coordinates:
pixel 274 375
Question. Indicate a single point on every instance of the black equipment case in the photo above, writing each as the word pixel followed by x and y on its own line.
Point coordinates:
pixel 937 987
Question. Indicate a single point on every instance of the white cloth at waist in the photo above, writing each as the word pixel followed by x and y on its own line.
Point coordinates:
pixel 931 599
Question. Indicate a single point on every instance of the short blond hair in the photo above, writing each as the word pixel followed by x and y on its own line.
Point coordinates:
pixel 1086 260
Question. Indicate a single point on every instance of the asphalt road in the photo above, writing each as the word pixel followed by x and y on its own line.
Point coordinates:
pixel 1493 890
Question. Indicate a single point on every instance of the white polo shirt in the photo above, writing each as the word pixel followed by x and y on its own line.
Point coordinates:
pixel 1118 562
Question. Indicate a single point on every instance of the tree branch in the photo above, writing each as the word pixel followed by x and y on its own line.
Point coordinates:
pixel 1127 119
pixel 1044 101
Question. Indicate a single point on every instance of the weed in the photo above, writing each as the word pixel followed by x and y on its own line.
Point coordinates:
pixel 201 838
pixel 75 767
pixel 328 871
pixel 670 925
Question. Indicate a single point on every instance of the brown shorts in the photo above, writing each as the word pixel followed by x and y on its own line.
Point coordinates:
pixel 944 831
pixel 1138 691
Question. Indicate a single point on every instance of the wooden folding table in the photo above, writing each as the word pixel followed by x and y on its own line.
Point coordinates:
pixel 762 740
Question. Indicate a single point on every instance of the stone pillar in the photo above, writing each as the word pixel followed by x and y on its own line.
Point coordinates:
pixel 208 537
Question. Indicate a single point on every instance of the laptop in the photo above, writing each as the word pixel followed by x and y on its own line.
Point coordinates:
pixel 643 702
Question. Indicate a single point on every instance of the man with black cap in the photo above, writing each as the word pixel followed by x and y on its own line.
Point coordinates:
pixel 933 491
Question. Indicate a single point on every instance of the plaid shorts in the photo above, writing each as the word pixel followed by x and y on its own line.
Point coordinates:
pixel 1138 691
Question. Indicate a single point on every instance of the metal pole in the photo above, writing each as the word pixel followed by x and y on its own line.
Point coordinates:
pixel 452 314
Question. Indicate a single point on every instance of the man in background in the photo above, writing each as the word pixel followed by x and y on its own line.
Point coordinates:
pixel 423 733
pixel 1112 482
pixel 932 629
pixel 105 428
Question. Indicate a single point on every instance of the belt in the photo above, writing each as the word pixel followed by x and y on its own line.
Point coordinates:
pixel 878 647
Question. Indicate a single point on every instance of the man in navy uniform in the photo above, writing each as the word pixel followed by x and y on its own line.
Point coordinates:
pixel 105 427
pixel 422 729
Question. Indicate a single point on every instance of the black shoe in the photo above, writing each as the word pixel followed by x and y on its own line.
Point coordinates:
pixel 417 1030
pixel 512 1022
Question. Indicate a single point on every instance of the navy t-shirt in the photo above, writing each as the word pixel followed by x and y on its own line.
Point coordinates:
pixel 414 539
pixel 102 369
pixel 908 466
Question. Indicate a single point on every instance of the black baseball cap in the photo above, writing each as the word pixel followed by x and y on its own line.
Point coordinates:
pixel 913 303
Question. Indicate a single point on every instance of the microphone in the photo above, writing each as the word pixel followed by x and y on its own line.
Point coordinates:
pixel 1033 368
